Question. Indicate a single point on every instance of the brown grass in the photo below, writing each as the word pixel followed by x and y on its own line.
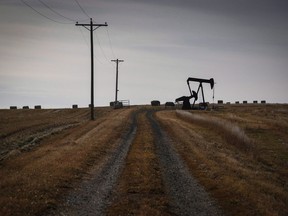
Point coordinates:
pixel 242 183
pixel 231 132
pixel 140 190
pixel 34 181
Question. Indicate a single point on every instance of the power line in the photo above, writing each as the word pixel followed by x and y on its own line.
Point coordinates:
pixel 82 9
pixel 101 48
pixel 88 45
pixel 54 11
pixel 41 14
pixel 110 43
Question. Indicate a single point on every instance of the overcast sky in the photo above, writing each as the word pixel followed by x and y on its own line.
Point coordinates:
pixel 242 44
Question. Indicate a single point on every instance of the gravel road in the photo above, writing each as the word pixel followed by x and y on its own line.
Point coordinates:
pixel 189 198
pixel 94 194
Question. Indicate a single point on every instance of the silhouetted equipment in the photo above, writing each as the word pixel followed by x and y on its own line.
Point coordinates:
pixel 37 107
pixel 74 106
pixel 92 29
pixel 117 103
pixel 220 101
pixel 193 94
pixel 155 103
pixel 200 81
pixel 255 102
pixel 263 101
pixel 245 102
pixel 13 107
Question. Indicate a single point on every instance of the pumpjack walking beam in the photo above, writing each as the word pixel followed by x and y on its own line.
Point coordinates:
pixel 210 81
pixel 92 28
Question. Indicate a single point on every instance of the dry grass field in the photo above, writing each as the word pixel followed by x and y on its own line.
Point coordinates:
pixel 238 153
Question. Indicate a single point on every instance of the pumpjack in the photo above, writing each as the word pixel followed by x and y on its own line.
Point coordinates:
pixel 186 99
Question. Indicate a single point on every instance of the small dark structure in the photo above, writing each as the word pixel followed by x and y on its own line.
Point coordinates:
pixel 155 103
pixel 116 105
pixel 75 106
pixel 37 107
pixel 220 101
pixel 13 107
pixel 263 101
pixel 25 107
pixel 255 102
pixel 245 102
pixel 169 104
pixel 237 102
pixel 193 94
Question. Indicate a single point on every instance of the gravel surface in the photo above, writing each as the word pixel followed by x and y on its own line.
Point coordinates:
pixel 94 194
pixel 189 197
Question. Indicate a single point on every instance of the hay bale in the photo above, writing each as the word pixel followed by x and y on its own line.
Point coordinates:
pixel 245 102
pixel 13 107
pixel 155 103
pixel 237 102
pixel 37 107
pixel 169 104
pixel 263 101
pixel 220 101
pixel 228 103
pixel 255 102
pixel 74 106
pixel 25 107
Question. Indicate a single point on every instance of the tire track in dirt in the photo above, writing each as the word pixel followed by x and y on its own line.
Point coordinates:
pixel 94 193
pixel 155 180
pixel 188 196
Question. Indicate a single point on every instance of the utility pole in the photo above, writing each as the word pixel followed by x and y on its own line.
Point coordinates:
pixel 116 93
pixel 91 29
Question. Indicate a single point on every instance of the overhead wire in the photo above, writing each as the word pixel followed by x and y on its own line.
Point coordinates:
pixel 82 9
pixel 102 49
pixel 54 11
pixel 110 43
pixel 88 45
pixel 70 19
pixel 43 15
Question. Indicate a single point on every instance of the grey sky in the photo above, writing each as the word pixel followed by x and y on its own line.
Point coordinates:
pixel 242 44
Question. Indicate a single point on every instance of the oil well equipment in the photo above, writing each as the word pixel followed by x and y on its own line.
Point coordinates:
pixel 194 94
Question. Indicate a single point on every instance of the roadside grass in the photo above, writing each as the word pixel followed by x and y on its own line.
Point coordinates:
pixel 244 181
pixel 35 181
pixel 232 133
pixel 140 190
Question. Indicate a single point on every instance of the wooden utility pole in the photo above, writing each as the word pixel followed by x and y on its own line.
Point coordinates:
pixel 116 93
pixel 92 29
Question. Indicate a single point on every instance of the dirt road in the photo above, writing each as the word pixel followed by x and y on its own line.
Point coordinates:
pixel 144 161
pixel 143 176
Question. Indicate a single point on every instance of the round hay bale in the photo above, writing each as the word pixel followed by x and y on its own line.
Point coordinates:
pixel 37 107
pixel 25 107
pixel 169 104
pixel 13 107
pixel 75 106
pixel 155 103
